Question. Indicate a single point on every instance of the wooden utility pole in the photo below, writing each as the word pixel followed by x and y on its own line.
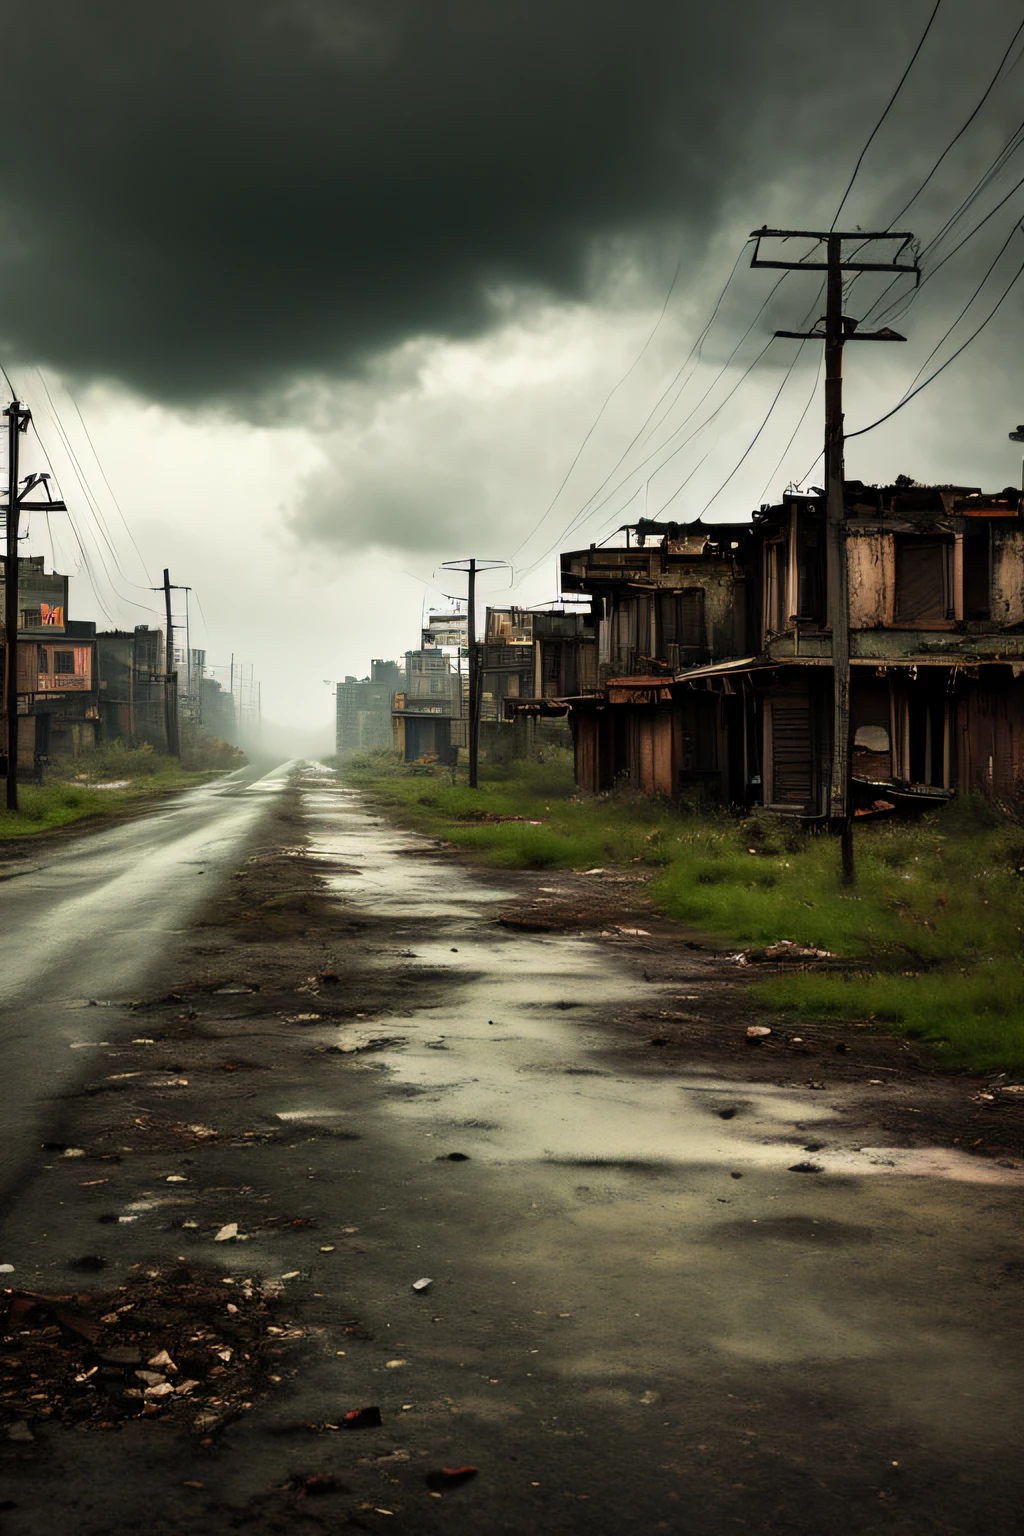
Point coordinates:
pixel 838 329
pixel 18 418
pixel 170 674
pixel 15 415
pixel 471 567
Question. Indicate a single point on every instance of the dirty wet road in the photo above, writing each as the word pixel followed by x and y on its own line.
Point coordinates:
pixel 643 1316
pixel 87 918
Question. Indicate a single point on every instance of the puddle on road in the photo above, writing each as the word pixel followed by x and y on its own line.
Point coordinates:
pixel 507 1052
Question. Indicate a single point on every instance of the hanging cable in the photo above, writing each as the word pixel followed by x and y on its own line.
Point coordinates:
pixel 888 107
pixel 942 368
pixel 614 391
pixel 103 473
pixel 796 429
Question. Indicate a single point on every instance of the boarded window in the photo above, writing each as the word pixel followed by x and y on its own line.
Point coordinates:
pixel 681 620
pixel 923 580
pixel 792 749
pixel 550 670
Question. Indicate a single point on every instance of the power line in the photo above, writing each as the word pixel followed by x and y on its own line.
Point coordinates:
pixel 588 511
pixel 610 396
pixel 753 440
pixel 888 107
pixel 963 128
pixel 942 368
pixel 106 482
pixel 966 307
pixel 796 429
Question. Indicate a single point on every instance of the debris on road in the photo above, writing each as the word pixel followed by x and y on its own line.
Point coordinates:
pixel 77 1359
pixel 362 1418
pixel 782 949
pixel 226 1233
pixel 422 1285
pixel 757 1031
pixel 450 1477
pixel 806 1168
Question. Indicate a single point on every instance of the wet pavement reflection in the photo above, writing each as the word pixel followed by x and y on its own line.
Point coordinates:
pixel 518 1059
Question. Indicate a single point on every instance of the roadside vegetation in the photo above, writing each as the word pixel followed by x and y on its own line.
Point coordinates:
pixel 933 927
pixel 111 781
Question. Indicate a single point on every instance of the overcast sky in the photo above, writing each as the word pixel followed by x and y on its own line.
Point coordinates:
pixel 308 296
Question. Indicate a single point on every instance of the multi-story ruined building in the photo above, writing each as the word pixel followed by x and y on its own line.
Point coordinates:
pixel 532 656
pixel 364 708
pixel 57 695
pixel 715 652
pixel 429 713
pixel 672 598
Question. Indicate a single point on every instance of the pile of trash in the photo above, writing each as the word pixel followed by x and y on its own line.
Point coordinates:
pixel 782 949
pixel 195 1350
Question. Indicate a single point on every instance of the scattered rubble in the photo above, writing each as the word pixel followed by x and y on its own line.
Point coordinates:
pixel 164 1344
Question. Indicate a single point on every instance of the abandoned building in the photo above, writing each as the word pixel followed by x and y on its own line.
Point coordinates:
pixel 429 712
pixel 532 655
pixel 673 598
pixel 57 697
pixel 364 708
pixel 132 686
pixel 715 653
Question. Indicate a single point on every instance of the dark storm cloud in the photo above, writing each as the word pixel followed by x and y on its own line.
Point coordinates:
pixel 206 200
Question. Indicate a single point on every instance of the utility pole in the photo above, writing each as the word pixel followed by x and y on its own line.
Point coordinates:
pixel 471 567
pixel 170 674
pixel 838 329
pixel 18 418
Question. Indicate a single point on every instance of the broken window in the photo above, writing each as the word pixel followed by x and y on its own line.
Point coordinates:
pixel 976 575
pixel 64 663
pixel 924 579
pixel 810 563
pixel 870 715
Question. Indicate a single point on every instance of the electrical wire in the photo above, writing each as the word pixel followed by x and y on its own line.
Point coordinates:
pixel 145 607
pixel 963 128
pixel 106 482
pixel 611 395
pixel 888 107
pixel 757 434
pixel 796 429
pixel 943 366
pixel 588 511
pixel 88 492
pixel 970 301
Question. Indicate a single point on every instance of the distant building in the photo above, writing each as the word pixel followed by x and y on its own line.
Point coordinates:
pixel 131 686
pixel 429 714
pixel 363 718
pixel 57 695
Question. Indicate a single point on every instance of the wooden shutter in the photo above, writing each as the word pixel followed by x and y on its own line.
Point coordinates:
pixel 920 580
pixel 792 750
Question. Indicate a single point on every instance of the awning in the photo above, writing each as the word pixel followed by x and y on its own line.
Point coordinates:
pixel 749 664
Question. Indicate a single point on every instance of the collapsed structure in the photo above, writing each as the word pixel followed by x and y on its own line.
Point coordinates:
pixel 714 660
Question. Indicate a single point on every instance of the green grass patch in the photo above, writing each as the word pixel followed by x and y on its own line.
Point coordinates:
pixel 935 920
pixel 69 793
